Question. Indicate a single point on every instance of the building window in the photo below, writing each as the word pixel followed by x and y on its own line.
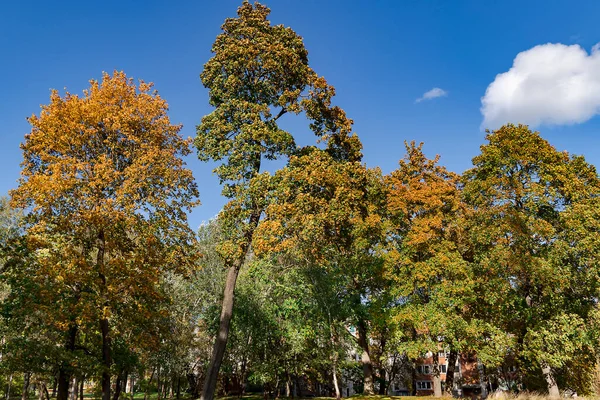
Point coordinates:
pixel 424 385
pixel 442 353
pixel 424 369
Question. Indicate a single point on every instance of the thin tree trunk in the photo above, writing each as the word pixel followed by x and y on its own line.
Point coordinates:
pixel 158 385
pixel 81 388
pixel 46 391
pixel 553 391
pixel 338 394
pixel 43 391
pixel 64 371
pixel 54 386
pixel 178 396
pixel 149 384
pixel 452 356
pixel 382 381
pixel 25 391
pixel 334 359
pixel 210 383
pixel 212 372
pixel 363 342
pixel 482 379
pixel 104 324
pixel 74 387
pixel 125 380
pixel 118 386
pixel 8 386
pixel 106 359
pixel 437 379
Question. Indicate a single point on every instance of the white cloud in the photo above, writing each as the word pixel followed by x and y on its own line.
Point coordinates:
pixel 432 94
pixel 552 84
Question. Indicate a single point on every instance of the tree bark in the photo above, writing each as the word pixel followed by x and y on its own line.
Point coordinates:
pixel 149 383
pixel 338 395
pixel 334 359
pixel 363 342
pixel 158 385
pixel 81 388
pixel 74 387
pixel 106 359
pixel 382 381
pixel 436 377
pixel 452 356
pixel 553 391
pixel 210 383
pixel 64 371
pixel 212 372
pixel 46 391
pixel 54 386
pixel 118 386
pixel 194 384
pixel 104 325
pixel 25 391
pixel 8 387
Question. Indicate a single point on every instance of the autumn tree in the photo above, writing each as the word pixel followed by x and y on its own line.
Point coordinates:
pixel 259 72
pixel 429 261
pixel 107 191
pixel 324 212
pixel 534 229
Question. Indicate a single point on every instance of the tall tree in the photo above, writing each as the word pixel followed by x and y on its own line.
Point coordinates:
pixel 324 211
pixel 107 191
pixel 258 73
pixel 535 279
pixel 427 257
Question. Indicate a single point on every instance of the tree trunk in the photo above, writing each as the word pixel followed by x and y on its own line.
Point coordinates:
pixel 363 342
pixel 25 391
pixel 193 382
pixel 553 391
pixel 81 388
pixel 74 387
pixel 210 383
pixel 288 386
pixel 338 395
pixel 106 359
pixel 452 356
pixel 334 359
pixel 46 391
pixel 482 379
pixel 158 385
pixel 8 386
pixel 104 326
pixel 382 381
pixel 125 380
pixel 436 377
pixel 64 371
pixel 54 386
pixel 132 387
pixel 212 372
pixel 150 383
pixel 118 386
pixel 178 395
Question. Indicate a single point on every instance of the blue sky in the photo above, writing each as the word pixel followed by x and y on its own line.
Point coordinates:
pixel 380 55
